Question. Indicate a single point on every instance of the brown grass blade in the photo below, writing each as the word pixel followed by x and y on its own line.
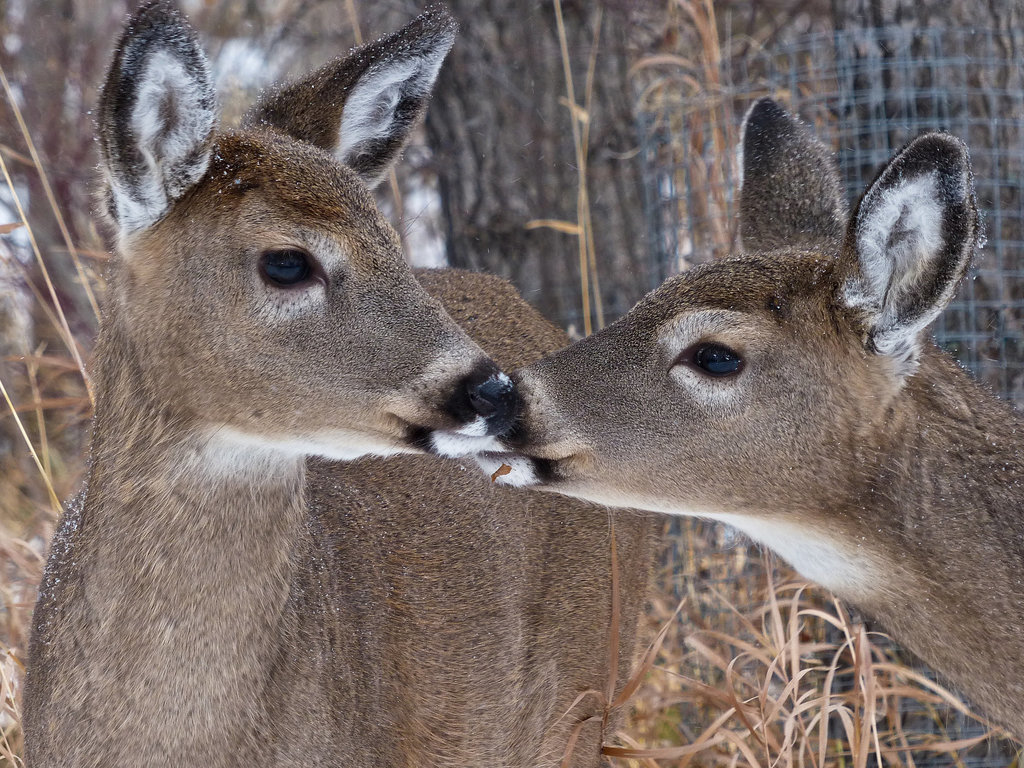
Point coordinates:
pixel 708 738
pixel 742 746
pixel 43 361
pixel 588 102
pixel 647 661
pixel 31 449
pixel 570 746
pixel 614 625
pixel 37 406
pixel 559 225
pixel 630 741
pixel 49 403
pixel 48 191
pixel 580 138
pixel 63 326
pixel 580 697
pixel 15 155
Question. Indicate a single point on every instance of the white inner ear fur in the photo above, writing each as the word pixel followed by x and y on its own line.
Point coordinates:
pixel 898 236
pixel 891 263
pixel 369 112
pixel 167 147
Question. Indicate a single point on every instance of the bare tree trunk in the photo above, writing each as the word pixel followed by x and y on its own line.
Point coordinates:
pixel 504 154
pixel 996 14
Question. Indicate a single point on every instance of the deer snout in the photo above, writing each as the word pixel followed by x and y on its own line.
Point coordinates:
pixel 540 448
pixel 496 401
pixel 487 403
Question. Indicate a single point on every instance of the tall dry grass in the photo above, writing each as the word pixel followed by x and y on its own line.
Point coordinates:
pixel 47 401
pixel 755 667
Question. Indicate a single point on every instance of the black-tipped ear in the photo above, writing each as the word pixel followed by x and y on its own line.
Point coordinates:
pixel 910 243
pixel 156 116
pixel 791 195
pixel 363 107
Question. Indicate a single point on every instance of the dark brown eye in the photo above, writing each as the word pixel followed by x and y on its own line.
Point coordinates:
pixel 286 268
pixel 713 359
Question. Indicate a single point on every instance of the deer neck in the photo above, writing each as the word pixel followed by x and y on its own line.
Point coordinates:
pixel 929 493
pixel 943 484
pixel 927 535
pixel 184 558
pixel 938 516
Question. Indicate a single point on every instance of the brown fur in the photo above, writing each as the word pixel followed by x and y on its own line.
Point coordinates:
pixel 474 614
pixel 783 160
pixel 310 109
pixel 893 478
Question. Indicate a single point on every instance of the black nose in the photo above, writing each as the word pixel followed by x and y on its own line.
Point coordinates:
pixel 496 400
pixel 486 394
pixel 489 396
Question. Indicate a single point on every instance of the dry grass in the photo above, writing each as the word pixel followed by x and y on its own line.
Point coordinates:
pixel 47 400
pixel 762 669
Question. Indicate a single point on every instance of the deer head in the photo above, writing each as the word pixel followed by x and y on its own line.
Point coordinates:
pixel 760 386
pixel 258 294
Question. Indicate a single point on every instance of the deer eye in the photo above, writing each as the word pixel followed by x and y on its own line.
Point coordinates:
pixel 712 359
pixel 287 267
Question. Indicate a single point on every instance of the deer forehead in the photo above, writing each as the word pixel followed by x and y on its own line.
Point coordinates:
pixel 708 324
pixel 753 284
pixel 744 298
pixel 264 185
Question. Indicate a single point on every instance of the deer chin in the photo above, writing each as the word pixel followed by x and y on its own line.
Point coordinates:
pixel 226 446
pixel 489 452
pixel 521 470
pixel 511 469
pixel 468 440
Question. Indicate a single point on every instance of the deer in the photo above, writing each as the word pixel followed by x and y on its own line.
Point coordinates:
pixel 209 600
pixel 792 392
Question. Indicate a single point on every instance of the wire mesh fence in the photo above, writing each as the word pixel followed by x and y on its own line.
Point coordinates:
pixel 866 92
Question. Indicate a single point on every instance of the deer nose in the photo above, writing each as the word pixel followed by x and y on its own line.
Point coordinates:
pixel 495 400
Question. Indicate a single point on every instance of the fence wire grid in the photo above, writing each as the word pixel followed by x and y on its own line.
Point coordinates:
pixel 866 92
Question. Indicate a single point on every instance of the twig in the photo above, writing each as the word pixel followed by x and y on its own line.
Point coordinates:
pixel 69 339
pixel 49 195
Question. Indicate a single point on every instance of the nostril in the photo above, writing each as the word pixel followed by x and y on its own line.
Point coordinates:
pixel 490 396
pixel 482 403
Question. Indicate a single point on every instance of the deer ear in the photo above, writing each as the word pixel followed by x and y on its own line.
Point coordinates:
pixel 910 242
pixel 791 194
pixel 156 116
pixel 363 107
